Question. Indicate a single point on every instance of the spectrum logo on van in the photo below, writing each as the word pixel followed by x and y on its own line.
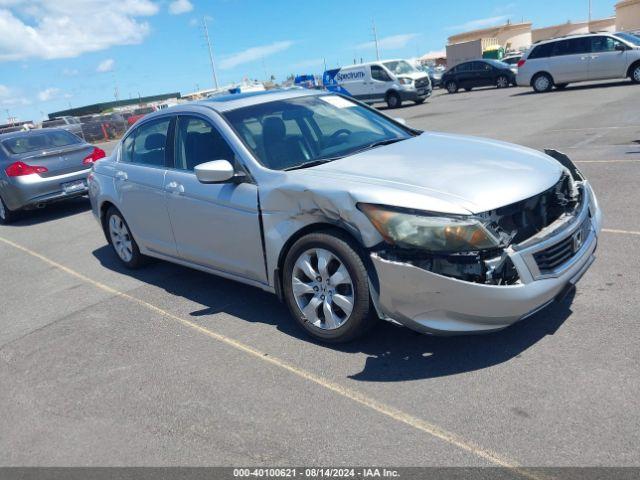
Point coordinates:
pixel 357 75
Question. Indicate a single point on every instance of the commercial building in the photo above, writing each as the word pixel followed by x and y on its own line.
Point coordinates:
pixel 117 105
pixel 573 28
pixel 628 15
pixel 510 36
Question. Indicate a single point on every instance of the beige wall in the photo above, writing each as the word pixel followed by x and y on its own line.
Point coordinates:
pixel 554 31
pixel 513 36
pixel 628 15
pixel 603 25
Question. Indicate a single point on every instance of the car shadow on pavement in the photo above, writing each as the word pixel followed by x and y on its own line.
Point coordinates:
pixel 575 87
pixel 393 353
pixel 52 212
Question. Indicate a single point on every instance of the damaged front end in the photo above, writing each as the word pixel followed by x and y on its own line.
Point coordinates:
pixel 482 243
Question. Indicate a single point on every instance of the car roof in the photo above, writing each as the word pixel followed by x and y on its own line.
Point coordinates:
pixel 575 35
pixel 26 133
pixel 225 103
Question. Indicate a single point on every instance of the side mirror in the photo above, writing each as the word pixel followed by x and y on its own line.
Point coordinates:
pixel 401 121
pixel 217 171
pixel 620 48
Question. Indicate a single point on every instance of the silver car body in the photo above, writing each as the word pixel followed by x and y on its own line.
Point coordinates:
pixel 585 65
pixel 62 180
pixel 242 231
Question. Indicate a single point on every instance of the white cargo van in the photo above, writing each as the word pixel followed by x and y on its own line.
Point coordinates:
pixel 390 81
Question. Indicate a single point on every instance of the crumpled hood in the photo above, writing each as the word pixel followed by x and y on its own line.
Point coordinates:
pixel 475 174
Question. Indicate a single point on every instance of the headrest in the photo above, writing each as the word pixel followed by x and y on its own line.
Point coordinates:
pixel 273 128
pixel 155 141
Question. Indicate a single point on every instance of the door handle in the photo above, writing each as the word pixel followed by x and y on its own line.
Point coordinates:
pixel 584 58
pixel 122 176
pixel 594 57
pixel 175 187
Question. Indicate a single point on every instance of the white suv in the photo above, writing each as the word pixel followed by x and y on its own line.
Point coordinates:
pixel 580 58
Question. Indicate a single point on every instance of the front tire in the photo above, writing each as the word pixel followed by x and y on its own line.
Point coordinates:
pixel 542 83
pixel 326 287
pixel 121 239
pixel 502 82
pixel 7 216
pixel 393 100
pixel 634 73
pixel 452 87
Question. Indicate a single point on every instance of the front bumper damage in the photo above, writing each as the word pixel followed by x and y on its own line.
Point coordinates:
pixel 433 303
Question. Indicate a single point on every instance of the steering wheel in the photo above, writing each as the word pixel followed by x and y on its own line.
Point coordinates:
pixel 334 136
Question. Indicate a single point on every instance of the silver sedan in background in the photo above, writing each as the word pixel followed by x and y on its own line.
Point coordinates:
pixel 38 167
pixel 347 214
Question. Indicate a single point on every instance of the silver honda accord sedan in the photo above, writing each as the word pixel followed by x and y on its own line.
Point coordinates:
pixel 348 215
pixel 39 167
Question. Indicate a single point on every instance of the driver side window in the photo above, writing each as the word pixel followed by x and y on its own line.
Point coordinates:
pixel 379 73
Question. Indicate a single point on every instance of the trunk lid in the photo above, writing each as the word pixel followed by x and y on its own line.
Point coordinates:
pixel 58 161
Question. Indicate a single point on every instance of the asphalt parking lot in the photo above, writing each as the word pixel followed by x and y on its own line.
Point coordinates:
pixel 168 366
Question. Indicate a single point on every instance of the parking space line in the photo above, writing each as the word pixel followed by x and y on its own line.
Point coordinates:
pixel 346 392
pixel 626 160
pixel 620 232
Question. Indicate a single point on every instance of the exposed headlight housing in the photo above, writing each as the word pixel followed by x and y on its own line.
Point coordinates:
pixel 405 80
pixel 430 232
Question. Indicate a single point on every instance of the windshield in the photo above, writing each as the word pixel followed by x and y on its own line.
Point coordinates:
pixel 399 67
pixel 633 39
pixel 34 142
pixel 308 130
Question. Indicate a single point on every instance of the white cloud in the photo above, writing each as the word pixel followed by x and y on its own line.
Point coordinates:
pixel 253 53
pixel 67 28
pixel 481 23
pixel 106 65
pixel 394 42
pixel 10 98
pixel 48 94
pixel 180 6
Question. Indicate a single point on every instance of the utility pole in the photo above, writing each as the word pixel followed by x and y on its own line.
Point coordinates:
pixel 213 65
pixel 375 39
pixel 589 14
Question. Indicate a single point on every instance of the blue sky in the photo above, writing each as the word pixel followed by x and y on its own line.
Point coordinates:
pixel 56 53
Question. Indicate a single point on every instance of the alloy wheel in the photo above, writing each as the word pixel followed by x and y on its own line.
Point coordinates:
pixel 636 74
pixel 503 82
pixel 323 289
pixel 3 212
pixel 120 238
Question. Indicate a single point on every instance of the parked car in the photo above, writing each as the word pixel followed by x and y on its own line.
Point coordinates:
pixel 92 128
pixel 478 73
pixel 512 61
pixel 435 76
pixel 348 215
pixel 70 124
pixel 579 58
pixel 390 81
pixel 138 113
pixel 40 167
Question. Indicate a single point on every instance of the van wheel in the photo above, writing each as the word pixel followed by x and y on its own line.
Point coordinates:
pixel 6 216
pixel 121 239
pixel 561 86
pixel 502 82
pixel 635 73
pixel 393 100
pixel 326 287
pixel 542 83
pixel 452 87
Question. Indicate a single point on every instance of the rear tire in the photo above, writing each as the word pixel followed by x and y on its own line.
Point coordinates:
pixel 122 241
pixel 452 87
pixel 6 216
pixel 542 83
pixel 393 100
pixel 634 73
pixel 326 287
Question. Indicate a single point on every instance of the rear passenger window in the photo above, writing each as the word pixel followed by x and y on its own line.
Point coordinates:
pixel 150 143
pixel 198 142
pixel 541 51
